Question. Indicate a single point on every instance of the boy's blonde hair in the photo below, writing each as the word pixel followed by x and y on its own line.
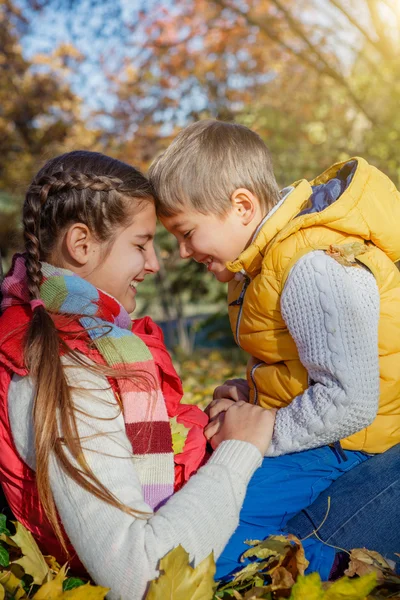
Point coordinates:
pixel 206 163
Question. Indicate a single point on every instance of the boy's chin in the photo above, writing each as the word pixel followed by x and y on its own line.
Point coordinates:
pixel 224 276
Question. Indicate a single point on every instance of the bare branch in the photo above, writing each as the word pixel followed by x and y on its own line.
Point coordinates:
pixel 355 22
pixel 322 66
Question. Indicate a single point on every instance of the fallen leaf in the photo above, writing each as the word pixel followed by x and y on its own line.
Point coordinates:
pixel 180 581
pixel 2 592
pixel 351 589
pixel 4 556
pixel 249 571
pixel 281 579
pixel 12 584
pixel 52 590
pixel 300 557
pixel 179 434
pixel 3 525
pixel 308 587
pixel 274 545
pixel 32 560
pixel 363 561
pixel 85 592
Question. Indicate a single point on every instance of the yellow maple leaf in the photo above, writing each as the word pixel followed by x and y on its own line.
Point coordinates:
pixel 307 587
pixel 32 560
pixel 351 589
pixel 12 584
pixel 180 581
pixel 86 592
pixel 179 434
pixel 52 590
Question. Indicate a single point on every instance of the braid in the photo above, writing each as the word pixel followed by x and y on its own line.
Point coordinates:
pixel 64 181
pixel 31 223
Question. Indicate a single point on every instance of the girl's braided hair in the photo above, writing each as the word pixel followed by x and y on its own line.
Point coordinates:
pixel 104 194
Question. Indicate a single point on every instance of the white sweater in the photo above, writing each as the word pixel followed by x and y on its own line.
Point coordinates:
pixel 118 550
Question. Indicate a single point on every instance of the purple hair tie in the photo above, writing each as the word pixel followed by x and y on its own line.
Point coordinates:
pixel 35 303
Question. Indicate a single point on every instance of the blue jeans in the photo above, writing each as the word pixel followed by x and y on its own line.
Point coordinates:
pixel 278 490
pixel 364 512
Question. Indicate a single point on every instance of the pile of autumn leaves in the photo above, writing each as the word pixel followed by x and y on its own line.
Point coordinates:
pixel 275 571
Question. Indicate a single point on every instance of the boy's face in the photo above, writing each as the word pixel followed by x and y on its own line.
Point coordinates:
pixel 210 239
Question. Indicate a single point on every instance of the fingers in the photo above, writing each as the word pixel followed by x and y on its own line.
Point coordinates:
pixel 230 391
pixel 217 406
pixel 214 426
pixel 245 422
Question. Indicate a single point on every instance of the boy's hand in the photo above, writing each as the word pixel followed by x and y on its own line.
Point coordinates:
pixel 235 389
pixel 245 422
pixel 217 406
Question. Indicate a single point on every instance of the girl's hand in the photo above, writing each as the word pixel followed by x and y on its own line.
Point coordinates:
pixel 244 422
pixel 235 389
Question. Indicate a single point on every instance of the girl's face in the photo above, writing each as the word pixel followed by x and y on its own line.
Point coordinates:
pixel 131 258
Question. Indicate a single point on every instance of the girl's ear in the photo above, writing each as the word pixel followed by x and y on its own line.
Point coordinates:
pixel 79 244
pixel 245 204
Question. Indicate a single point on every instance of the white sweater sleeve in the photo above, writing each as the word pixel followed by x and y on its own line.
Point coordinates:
pixel 332 313
pixel 118 550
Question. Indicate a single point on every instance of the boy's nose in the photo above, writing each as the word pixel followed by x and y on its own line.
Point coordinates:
pixel 184 252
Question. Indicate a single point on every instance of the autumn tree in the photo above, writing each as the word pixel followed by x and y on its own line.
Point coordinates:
pixel 39 115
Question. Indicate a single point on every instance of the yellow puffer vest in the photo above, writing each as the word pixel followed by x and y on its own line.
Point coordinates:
pixel 368 214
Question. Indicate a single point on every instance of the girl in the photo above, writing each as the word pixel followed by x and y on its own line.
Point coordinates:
pixel 84 425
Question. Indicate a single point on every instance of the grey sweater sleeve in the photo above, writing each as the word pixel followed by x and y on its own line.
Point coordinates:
pixel 332 313
pixel 119 550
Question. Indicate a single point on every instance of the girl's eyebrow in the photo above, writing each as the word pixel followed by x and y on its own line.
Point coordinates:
pixel 145 236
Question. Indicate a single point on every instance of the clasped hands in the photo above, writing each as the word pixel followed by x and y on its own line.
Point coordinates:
pixel 233 418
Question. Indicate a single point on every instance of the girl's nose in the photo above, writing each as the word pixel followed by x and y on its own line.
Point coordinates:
pixel 152 265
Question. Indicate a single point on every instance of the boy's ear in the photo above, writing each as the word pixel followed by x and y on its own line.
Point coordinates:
pixel 245 204
pixel 79 243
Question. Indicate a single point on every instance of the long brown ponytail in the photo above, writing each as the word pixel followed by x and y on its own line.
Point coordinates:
pixel 104 194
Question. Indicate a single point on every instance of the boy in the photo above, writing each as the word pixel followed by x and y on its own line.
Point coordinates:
pixel 313 298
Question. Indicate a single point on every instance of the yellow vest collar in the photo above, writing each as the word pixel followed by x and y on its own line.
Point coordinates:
pixel 251 258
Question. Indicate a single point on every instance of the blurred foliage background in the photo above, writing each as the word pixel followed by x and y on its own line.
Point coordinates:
pixel 319 80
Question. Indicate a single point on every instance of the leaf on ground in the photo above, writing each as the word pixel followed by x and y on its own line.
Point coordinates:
pixel 274 545
pixel 180 581
pixel 71 583
pixel 85 592
pixel 363 561
pixel 300 557
pixel 52 590
pixel 281 579
pixel 32 560
pixel 4 556
pixel 257 592
pixel 307 587
pixel 3 525
pixel 12 584
pixel 2 592
pixel 52 564
pixel 249 571
pixel 179 434
pixel 351 589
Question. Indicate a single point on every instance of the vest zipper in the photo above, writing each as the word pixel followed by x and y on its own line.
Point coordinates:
pixel 239 302
pixel 254 381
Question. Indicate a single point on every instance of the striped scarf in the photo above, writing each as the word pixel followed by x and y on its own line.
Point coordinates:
pixel 108 326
